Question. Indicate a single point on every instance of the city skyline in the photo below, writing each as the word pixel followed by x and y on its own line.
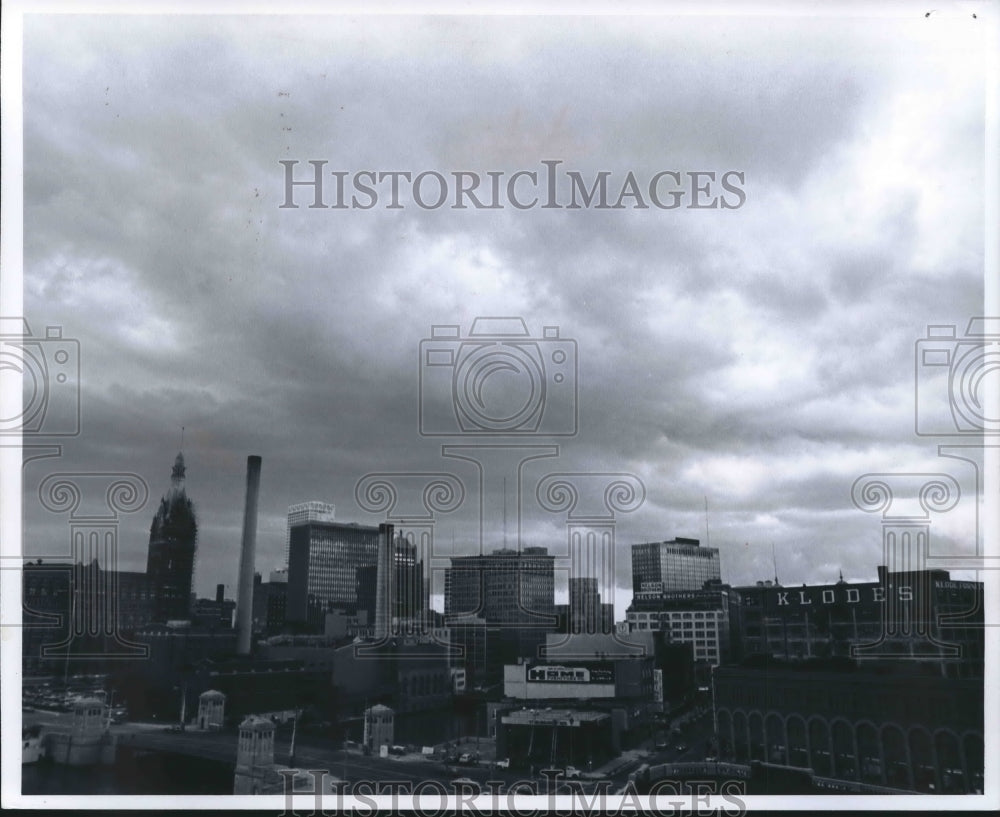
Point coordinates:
pixel 759 359
pixel 669 564
pixel 611 391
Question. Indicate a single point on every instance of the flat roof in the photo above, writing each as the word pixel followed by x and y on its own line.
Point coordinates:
pixel 562 717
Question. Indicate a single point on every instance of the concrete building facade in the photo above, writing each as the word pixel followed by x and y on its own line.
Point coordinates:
pixel 678 564
pixel 322 563
pixel 904 729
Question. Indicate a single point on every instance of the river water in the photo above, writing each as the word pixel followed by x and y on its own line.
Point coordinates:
pixel 143 774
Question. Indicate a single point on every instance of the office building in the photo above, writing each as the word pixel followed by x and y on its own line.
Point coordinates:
pixel 304 512
pixel 406 600
pixel 586 611
pixel 696 617
pixel 323 560
pixel 269 601
pixel 680 564
pixel 504 587
pixel 213 614
pixel 513 592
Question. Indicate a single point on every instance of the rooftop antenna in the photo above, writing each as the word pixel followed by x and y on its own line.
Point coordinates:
pixel 182 438
pixel 774 561
pixel 708 541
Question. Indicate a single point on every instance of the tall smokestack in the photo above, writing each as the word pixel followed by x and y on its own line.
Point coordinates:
pixel 244 601
pixel 385 581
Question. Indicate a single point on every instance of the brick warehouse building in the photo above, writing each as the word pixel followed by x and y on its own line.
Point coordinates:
pixel 920 615
pixel 903 729
pixel 874 683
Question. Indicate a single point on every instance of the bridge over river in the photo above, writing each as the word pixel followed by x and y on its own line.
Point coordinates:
pixel 221 747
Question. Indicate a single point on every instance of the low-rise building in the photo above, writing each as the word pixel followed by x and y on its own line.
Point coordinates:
pixel 900 725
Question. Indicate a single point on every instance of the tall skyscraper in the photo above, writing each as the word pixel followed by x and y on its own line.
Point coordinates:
pixel 170 560
pixel 323 558
pixel 406 597
pixel 303 512
pixel 680 564
pixel 503 587
pixel 511 593
pixel 586 612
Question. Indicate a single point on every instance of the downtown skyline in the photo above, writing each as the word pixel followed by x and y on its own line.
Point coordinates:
pixel 760 358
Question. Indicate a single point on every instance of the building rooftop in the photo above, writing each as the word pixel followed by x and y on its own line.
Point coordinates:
pixel 256 722
pixel 549 717
pixel 212 693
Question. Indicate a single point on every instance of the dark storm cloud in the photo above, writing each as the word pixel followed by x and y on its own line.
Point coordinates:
pixel 760 357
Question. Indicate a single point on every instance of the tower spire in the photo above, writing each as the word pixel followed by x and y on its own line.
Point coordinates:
pixel 177 474
pixel 172 545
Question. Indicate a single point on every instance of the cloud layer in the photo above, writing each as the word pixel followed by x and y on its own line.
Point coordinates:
pixel 760 358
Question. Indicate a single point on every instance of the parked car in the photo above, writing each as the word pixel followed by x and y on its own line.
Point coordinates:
pixel 465 758
pixel 571 773
pixel 397 750
pixel 503 764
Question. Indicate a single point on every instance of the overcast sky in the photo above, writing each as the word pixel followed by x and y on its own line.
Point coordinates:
pixel 761 357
